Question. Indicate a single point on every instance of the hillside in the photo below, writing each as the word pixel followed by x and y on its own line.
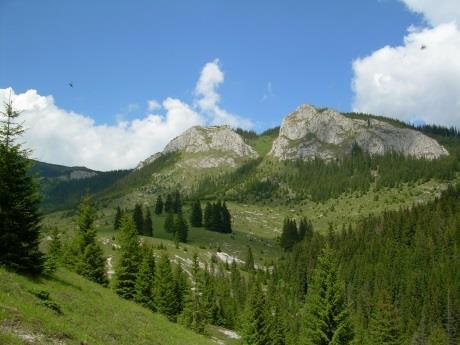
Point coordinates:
pixel 78 311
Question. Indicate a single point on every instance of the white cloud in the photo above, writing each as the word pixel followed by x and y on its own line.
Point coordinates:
pixel 153 104
pixel 421 78
pixel 268 93
pixel 436 12
pixel 208 98
pixel 64 137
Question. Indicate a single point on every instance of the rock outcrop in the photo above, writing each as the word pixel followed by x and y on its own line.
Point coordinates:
pixel 308 132
pixel 207 147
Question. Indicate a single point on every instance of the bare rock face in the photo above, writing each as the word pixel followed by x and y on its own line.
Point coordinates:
pixel 308 132
pixel 207 147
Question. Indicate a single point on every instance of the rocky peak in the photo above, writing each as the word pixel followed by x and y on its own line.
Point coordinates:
pixel 208 147
pixel 309 132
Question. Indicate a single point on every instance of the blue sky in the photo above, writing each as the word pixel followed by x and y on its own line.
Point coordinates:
pixel 243 63
pixel 121 53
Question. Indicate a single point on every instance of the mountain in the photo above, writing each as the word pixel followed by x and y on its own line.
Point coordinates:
pixel 207 147
pixel 308 132
pixel 60 172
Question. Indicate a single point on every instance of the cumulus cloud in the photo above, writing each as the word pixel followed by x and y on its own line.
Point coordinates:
pixel 419 79
pixel 436 12
pixel 208 98
pixel 64 137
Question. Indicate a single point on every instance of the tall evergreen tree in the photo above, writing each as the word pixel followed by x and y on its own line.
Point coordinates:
pixel 148 225
pixel 196 215
pixel 138 219
pixel 289 235
pixel 117 220
pixel 181 228
pixel 385 324
pixel 90 261
pixel 127 267
pixel 326 316
pixel 180 288
pixel 226 219
pixel 193 315
pixel 169 207
pixel 54 253
pixel 255 323
pixel 305 229
pixel 146 279
pixel 19 200
pixel 207 215
pixel 164 289
pixel 249 263
pixel 169 223
pixel 159 205
pixel 177 203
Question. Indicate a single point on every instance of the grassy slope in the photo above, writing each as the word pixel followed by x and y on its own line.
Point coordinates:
pixel 90 313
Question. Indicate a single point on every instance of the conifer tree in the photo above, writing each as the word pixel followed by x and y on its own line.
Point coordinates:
pixel 169 207
pixel 148 226
pixel 326 317
pixel 193 315
pixel 19 200
pixel 159 205
pixel 249 264
pixel 451 327
pixel 255 323
pixel 92 264
pixel 90 261
pixel 169 223
pixel 385 326
pixel 146 279
pixel 177 203
pixel 181 228
pixel 54 254
pixel 165 296
pixel 196 215
pixel 226 219
pixel 138 219
pixel 305 229
pixel 180 288
pixel 127 267
pixel 117 220
pixel 207 215
pixel 289 235
pixel 216 217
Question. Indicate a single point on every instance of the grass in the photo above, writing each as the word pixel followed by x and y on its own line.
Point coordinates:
pixel 89 313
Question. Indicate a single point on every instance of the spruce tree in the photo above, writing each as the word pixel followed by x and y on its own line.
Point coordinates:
pixel 177 203
pixel 326 316
pixel 305 229
pixel 196 215
pixel 127 267
pixel 159 205
pixel 117 220
pixel 169 204
pixel 165 296
pixel 169 223
pixel 54 254
pixel 226 219
pixel 180 288
pixel 148 226
pixel 19 200
pixel 207 215
pixel 385 324
pixel 255 323
pixel 249 264
pixel 138 219
pixel 90 260
pixel 289 235
pixel 146 279
pixel 193 315
pixel 181 228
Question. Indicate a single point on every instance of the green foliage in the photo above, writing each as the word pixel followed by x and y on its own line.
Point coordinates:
pixel 180 228
pixel 128 264
pixel 169 223
pixel 159 205
pixel 164 287
pixel 54 254
pixel 327 320
pixel 117 220
pixel 217 217
pixel 289 235
pixel 87 254
pixel 19 201
pixel 145 280
pixel 255 324
pixel 147 228
pixel 138 218
pixel 249 263
pixel 196 215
